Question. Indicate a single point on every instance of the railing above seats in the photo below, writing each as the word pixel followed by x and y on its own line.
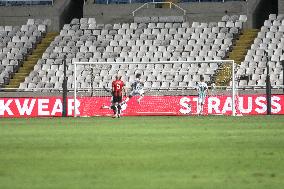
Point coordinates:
pixel 25 2
pixel 171 5
pixel 148 1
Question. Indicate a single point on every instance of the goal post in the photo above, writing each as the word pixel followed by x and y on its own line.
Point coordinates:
pixel 166 78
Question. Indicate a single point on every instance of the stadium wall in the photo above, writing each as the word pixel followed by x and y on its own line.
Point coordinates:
pixel 262 11
pixel 200 12
pixel 59 13
pixel 281 6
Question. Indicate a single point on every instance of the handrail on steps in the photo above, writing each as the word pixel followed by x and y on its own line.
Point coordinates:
pixel 171 5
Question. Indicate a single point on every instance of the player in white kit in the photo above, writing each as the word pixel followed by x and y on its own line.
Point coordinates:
pixel 202 89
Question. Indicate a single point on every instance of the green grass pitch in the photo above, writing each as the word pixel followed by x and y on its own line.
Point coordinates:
pixel 215 152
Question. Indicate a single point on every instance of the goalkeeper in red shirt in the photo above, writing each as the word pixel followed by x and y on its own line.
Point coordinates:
pixel 117 89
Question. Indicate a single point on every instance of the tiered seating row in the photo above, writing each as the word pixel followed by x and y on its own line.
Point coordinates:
pixel 267 47
pixel 15 44
pixel 85 40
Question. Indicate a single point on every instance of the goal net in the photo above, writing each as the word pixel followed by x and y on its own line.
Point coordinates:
pixel 170 88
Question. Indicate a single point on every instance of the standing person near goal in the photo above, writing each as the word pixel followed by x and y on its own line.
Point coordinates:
pixel 136 89
pixel 202 89
pixel 117 88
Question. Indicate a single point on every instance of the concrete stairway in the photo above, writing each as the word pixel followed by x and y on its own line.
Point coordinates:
pixel 238 53
pixel 31 61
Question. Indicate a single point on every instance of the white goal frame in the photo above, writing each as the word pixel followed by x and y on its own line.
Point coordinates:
pixel 160 62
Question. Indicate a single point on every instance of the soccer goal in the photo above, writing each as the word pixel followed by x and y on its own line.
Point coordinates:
pixel 170 87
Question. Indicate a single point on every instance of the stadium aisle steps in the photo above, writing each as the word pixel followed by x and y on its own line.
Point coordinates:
pixel 31 61
pixel 238 53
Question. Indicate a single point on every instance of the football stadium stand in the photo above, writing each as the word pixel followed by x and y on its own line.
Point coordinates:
pixel 85 40
pixel 268 47
pixel 32 58
pixel 16 44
